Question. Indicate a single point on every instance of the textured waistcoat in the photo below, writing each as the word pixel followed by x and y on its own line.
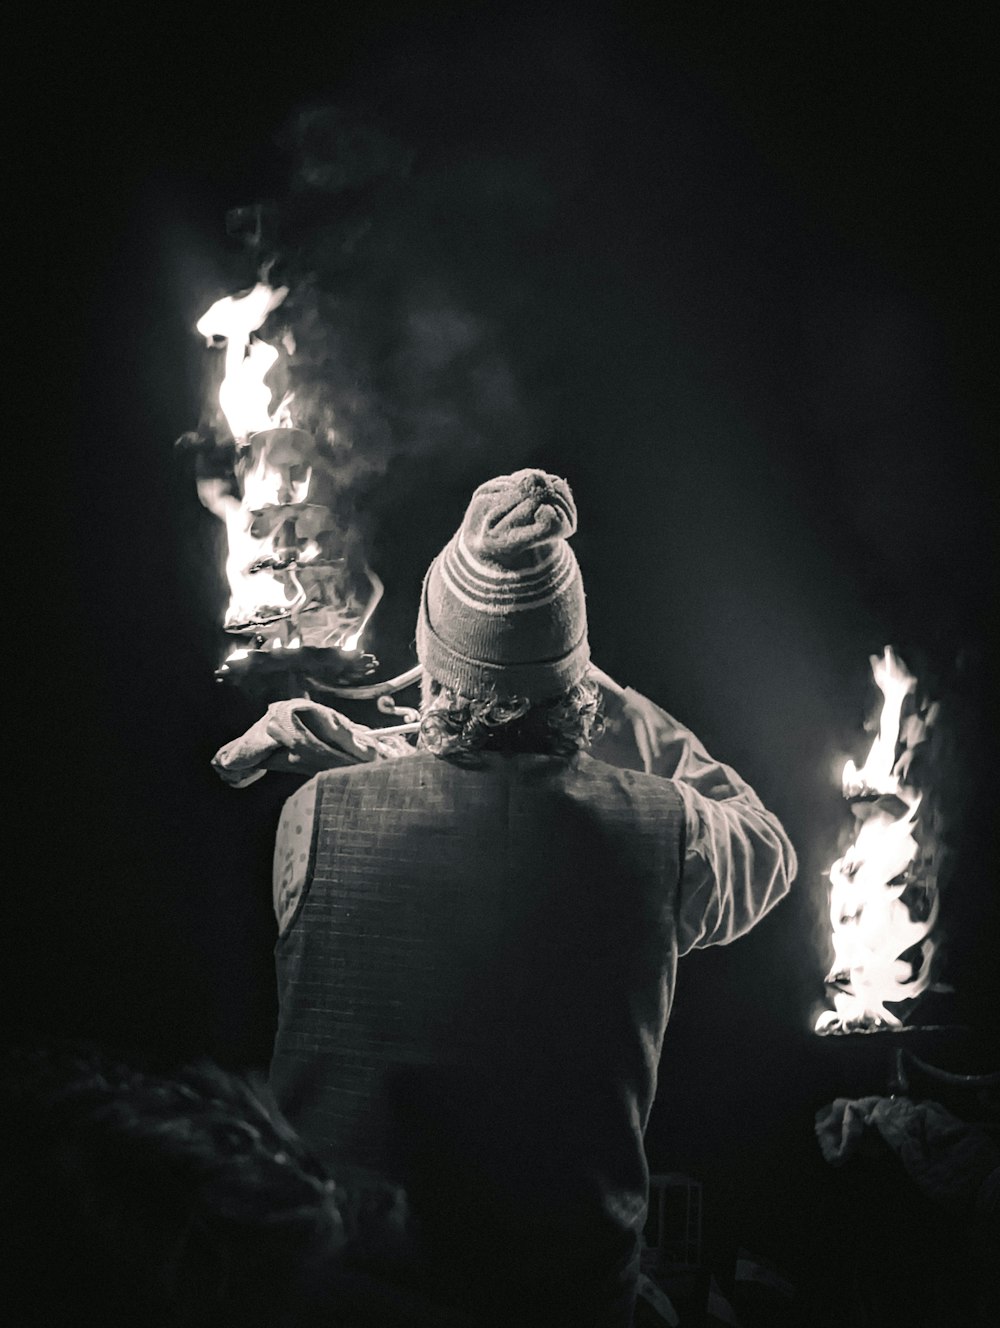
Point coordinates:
pixel 474 989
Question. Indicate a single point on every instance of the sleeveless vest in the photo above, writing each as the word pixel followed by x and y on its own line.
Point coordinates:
pixel 473 994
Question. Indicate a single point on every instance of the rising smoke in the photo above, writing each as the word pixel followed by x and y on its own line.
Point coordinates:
pixel 393 362
pixel 392 353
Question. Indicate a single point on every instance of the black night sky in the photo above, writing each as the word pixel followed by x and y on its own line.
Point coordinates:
pixel 725 268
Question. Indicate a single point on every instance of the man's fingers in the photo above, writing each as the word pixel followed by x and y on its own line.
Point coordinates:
pixel 646 728
pixel 642 741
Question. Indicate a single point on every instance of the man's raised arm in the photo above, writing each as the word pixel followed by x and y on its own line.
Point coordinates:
pixel 738 861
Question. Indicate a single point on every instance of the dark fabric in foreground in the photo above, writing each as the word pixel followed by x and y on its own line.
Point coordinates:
pixel 184 1199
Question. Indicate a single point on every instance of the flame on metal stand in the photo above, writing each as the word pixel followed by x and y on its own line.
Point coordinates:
pixel 296 578
pixel 873 927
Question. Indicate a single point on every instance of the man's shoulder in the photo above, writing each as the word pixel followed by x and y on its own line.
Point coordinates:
pixel 396 769
pixel 589 774
pixel 594 765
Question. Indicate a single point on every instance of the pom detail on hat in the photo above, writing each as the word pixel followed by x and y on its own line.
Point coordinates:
pixel 511 517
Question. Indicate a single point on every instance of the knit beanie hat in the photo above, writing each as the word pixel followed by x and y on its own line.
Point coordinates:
pixel 502 608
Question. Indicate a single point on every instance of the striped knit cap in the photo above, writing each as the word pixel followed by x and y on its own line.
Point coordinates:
pixel 502 608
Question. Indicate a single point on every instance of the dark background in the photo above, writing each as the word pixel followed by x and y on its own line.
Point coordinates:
pixel 726 271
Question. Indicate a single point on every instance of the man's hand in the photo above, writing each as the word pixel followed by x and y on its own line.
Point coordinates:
pixel 647 721
pixel 606 682
pixel 302 737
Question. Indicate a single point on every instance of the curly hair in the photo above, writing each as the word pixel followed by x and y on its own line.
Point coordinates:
pixel 460 727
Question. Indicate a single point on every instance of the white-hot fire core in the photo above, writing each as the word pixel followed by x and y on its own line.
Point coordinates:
pixel 269 486
pixel 872 928
pixel 244 396
pixel 252 595
pixel 282 590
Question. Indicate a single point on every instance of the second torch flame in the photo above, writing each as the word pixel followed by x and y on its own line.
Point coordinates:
pixel 872 926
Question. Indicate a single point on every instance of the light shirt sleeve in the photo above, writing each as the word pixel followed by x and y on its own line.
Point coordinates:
pixel 738 861
pixel 291 852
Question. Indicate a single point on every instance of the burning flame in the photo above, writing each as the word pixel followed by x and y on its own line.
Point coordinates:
pixel 353 639
pixel 253 596
pixel 267 485
pixel 878 774
pixel 872 926
pixel 244 396
pixel 291 579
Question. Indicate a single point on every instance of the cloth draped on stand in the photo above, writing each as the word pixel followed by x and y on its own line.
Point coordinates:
pixel 948 1159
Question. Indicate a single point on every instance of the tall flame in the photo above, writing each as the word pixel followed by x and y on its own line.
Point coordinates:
pixel 292 580
pixel 872 926
pixel 244 396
